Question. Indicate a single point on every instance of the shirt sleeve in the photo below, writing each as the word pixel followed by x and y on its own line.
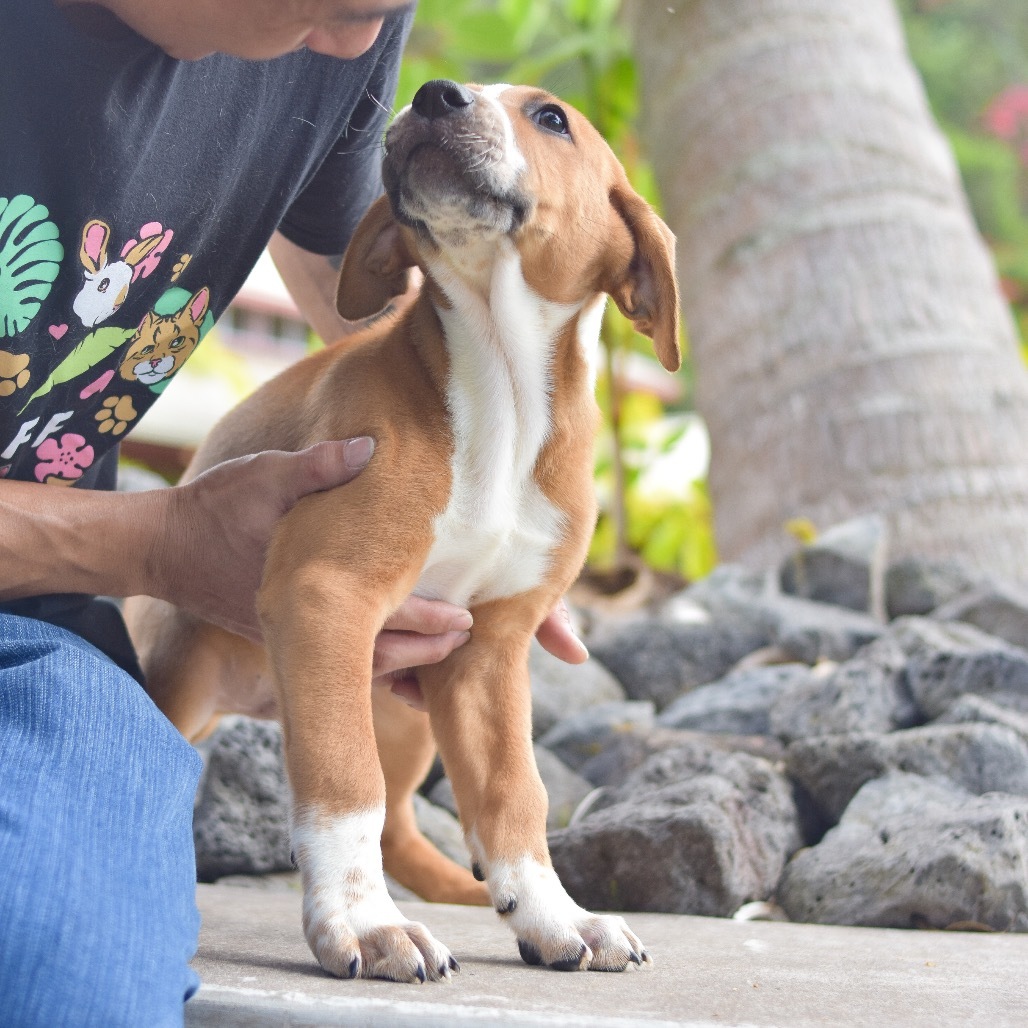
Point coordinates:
pixel 325 214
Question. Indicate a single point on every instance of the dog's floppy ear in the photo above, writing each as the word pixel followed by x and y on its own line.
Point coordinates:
pixel 375 264
pixel 646 292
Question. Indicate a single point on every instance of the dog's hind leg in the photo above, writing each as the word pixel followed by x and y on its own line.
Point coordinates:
pixel 406 749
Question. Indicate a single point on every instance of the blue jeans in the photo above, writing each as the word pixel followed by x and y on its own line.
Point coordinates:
pixel 98 917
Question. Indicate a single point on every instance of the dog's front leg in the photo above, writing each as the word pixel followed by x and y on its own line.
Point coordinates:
pixel 479 702
pixel 320 623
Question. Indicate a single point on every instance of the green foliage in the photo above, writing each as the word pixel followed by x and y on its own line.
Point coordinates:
pixel 968 53
pixel 668 509
pixel 992 178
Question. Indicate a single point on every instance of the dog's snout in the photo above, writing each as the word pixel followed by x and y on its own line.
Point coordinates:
pixel 441 98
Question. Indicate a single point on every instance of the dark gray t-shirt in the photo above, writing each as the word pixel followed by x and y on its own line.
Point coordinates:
pixel 136 194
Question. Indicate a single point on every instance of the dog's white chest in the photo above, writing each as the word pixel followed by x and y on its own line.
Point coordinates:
pixel 490 545
pixel 497 533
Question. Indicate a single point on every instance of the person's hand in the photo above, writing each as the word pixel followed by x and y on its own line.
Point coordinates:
pixel 423 632
pixel 212 534
pixel 557 636
pixel 419 632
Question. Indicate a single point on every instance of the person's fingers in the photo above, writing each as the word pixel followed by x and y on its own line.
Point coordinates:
pixel 428 617
pixel 395 651
pixel 557 637
pixel 325 465
pixel 406 688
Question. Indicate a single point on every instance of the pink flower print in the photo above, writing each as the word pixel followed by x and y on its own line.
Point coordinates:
pixel 144 267
pixel 65 460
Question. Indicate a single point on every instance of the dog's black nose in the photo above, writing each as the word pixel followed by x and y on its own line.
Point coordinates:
pixel 440 97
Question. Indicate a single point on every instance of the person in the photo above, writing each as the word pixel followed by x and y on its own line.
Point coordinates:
pixel 152 148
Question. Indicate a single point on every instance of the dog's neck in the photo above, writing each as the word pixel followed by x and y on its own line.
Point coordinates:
pixel 502 342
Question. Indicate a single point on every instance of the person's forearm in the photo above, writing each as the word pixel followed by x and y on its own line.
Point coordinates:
pixel 57 540
pixel 311 280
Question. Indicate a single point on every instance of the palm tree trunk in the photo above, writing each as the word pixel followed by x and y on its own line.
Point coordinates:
pixel 852 350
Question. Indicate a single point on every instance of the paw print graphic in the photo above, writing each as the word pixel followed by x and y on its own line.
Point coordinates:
pixel 115 414
pixel 180 265
pixel 14 372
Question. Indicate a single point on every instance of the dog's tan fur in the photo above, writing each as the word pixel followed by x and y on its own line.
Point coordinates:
pixel 343 561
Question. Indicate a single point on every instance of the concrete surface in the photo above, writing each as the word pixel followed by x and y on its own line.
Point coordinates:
pixel 257 971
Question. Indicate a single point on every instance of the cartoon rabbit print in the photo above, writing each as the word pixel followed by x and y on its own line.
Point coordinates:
pixel 106 283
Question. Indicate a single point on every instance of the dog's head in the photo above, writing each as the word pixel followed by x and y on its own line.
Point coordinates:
pixel 470 167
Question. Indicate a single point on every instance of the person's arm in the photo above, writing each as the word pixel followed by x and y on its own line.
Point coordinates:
pixel 311 279
pixel 200 546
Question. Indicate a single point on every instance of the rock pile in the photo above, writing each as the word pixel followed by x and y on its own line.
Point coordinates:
pixel 846 740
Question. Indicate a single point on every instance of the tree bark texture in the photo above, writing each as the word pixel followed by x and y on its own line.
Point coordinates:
pixel 852 350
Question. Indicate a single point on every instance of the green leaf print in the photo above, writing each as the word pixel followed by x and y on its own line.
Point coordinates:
pixel 30 258
pixel 97 346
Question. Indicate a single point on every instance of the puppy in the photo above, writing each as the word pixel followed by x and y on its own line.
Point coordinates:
pixel 480 399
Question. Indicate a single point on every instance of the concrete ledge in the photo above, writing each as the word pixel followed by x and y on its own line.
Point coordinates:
pixel 257 971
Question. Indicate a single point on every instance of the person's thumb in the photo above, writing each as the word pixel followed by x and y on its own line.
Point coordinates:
pixel 327 465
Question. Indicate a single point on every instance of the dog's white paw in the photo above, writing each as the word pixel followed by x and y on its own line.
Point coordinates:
pixel 353 947
pixel 352 925
pixel 552 929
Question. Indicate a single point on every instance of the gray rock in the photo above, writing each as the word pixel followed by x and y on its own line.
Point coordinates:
pixel 917 586
pixel 868 693
pixel 564 789
pixel 806 630
pixel 912 852
pixel 241 818
pixel 728 590
pixel 692 831
pixel 658 659
pixel 558 688
pixel 978 757
pixel 809 631
pixel 1000 609
pixel 971 709
pixel 443 829
pixel 844 566
pixel 626 751
pixel 441 795
pixel 740 703
pixel 580 736
pixel 948 659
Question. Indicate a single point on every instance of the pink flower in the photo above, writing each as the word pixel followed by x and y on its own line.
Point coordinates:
pixel 67 459
pixel 1007 118
pixel 1008 112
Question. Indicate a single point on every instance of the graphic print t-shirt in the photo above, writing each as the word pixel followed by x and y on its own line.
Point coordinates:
pixel 136 193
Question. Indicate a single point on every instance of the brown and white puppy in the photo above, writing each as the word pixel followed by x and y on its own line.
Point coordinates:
pixel 480 398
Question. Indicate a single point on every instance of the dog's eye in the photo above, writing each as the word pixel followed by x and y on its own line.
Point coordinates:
pixel 553 119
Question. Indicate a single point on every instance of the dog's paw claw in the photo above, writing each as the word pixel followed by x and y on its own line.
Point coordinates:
pixel 507 905
pixel 476 870
pixel 573 963
pixel 529 954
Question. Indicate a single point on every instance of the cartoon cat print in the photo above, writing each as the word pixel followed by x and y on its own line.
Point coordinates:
pixel 163 343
